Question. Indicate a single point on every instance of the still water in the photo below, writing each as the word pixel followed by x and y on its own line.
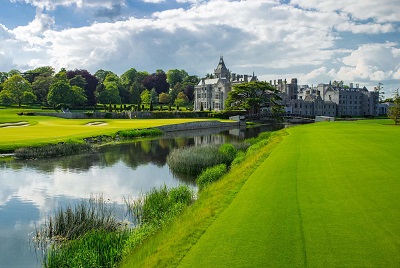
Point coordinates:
pixel 32 190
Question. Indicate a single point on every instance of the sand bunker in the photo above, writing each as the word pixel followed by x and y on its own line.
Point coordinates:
pixel 16 124
pixel 96 124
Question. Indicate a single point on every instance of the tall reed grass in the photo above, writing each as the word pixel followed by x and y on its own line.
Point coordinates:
pixel 193 160
pixel 136 133
pixel 210 175
pixel 54 237
pixel 53 150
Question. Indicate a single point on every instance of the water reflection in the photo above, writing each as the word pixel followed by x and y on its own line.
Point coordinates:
pixel 31 190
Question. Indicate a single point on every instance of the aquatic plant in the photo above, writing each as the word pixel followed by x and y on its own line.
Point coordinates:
pixel 53 150
pixel 210 175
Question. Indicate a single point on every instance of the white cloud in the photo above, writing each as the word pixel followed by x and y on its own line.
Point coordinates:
pixel 154 1
pixel 53 4
pixel 381 11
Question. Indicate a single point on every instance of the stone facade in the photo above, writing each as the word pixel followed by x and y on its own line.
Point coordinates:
pixel 211 92
pixel 328 99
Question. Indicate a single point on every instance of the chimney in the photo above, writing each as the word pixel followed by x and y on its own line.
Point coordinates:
pixel 351 85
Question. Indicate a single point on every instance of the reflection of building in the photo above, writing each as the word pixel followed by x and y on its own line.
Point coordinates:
pixel 328 99
pixel 211 92
pixel 211 139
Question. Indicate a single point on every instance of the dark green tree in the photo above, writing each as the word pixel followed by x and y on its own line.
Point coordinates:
pixel 252 96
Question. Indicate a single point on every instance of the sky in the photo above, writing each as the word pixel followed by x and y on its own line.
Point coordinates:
pixel 312 40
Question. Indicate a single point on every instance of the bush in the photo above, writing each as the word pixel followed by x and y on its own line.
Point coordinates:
pixel 210 175
pixel 228 152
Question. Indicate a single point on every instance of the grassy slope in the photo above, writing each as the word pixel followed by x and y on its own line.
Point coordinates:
pixel 328 195
pixel 45 129
pixel 167 247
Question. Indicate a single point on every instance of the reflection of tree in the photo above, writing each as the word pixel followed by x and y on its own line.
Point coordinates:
pixel 132 154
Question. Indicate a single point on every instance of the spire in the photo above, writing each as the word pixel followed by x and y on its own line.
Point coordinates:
pixel 221 70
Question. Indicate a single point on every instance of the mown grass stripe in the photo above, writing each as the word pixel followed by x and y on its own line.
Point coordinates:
pixel 343 175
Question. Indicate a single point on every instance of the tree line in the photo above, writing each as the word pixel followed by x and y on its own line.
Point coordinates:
pixel 74 88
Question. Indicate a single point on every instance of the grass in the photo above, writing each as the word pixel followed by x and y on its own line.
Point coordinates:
pixel 210 175
pixel 193 160
pixel 326 195
pixel 49 130
pixel 167 247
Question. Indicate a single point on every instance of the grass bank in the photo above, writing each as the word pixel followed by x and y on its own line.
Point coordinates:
pixel 24 131
pixel 327 196
pixel 170 245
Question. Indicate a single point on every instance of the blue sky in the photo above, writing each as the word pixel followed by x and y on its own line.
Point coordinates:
pixel 315 41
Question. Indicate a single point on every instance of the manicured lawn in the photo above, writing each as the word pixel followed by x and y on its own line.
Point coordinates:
pixel 327 196
pixel 43 129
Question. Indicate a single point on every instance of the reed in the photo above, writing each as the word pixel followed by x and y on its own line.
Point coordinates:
pixel 53 150
pixel 97 248
pixel 136 133
pixel 193 160
pixel 159 205
pixel 210 175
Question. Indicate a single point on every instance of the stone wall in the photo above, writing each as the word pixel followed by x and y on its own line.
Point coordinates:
pixel 198 125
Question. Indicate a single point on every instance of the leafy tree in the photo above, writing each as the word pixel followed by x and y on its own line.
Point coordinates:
pixel 158 81
pixel 176 76
pixel 175 91
pixel 101 75
pixel 394 111
pixel 110 94
pixel 135 90
pixel 40 71
pixel 251 96
pixel 3 77
pixel 140 76
pixel 5 97
pixel 90 86
pixel 61 76
pixel 154 96
pixel 145 97
pixel 42 82
pixel 164 98
pixel 181 99
pixel 62 92
pixel 129 77
pixel 78 81
pixel 18 89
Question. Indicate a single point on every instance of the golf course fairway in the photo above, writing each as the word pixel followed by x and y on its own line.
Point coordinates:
pixel 327 196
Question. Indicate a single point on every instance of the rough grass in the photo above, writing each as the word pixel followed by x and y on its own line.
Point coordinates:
pixel 327 196
pixel 210 175
pixel 49 130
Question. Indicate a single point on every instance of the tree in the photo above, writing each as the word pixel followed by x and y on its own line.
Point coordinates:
pixel 18 90
pixel 175 91
pixel 135 90
pixel 164 98
pixel 251 96
pixel 61 92
pixel 129 77
pixel 154 96
pixel 394 111
pixel 90 86
pixel 145 97
pixel 176 76
pixel 181 99
pixel 110 94
pixel 158 81
pixel 381 94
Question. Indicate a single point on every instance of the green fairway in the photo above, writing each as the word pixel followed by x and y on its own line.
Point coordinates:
pixel 327 196
pixel 17 131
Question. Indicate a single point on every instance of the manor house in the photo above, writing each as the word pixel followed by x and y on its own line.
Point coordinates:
pixel 333 99
pixel 211 92
pixel 328 99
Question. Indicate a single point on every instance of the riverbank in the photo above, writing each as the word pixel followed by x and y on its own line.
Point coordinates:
pixel 43 130
pixel 316 195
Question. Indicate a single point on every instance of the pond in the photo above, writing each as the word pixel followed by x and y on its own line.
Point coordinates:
pixel 30 191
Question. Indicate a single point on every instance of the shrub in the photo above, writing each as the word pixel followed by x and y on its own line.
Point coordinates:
pixel 228 152
pixel 210 175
